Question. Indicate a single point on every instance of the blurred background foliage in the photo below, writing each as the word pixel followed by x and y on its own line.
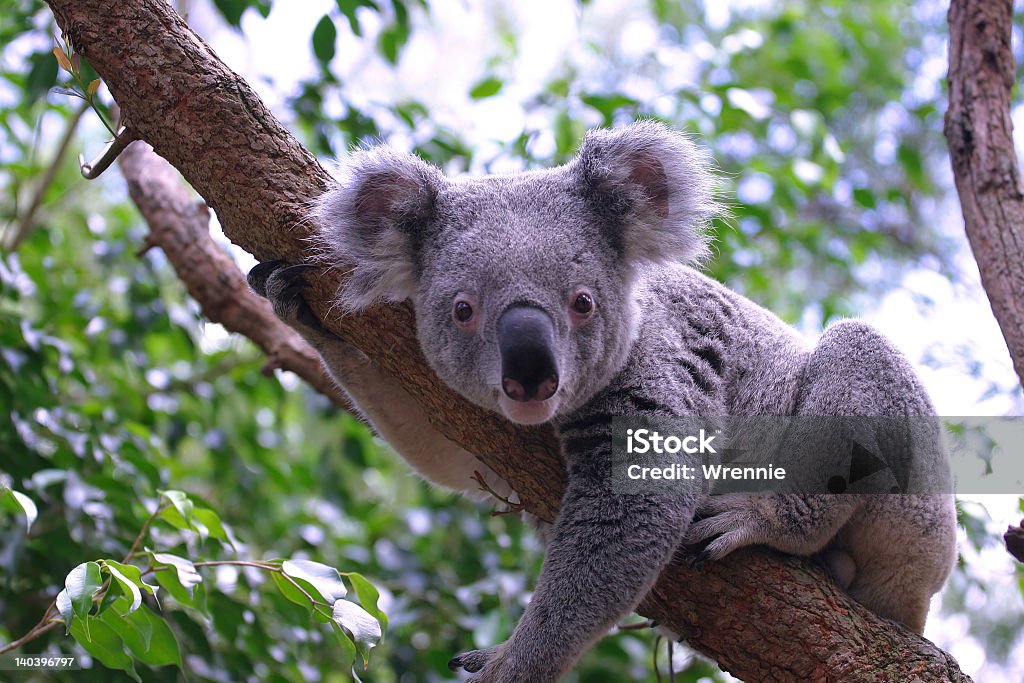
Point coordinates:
pixel 825 121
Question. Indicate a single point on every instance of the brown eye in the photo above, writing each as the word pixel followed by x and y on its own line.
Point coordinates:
pixel 583 305
pixel 462 312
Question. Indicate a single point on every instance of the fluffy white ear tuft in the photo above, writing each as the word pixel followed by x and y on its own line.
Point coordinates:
pixel 374 220
pixel 652 190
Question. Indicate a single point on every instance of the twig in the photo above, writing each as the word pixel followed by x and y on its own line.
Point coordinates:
pixel 513 506
pixel 93 169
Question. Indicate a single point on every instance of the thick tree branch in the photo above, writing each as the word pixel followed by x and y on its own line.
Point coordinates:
pixel 760 616
pixel 179 225
pixel 979 130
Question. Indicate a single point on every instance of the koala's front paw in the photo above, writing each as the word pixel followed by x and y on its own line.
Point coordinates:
pixel 282 284
pixel 486 665
pixel 726 523
pixel 473 660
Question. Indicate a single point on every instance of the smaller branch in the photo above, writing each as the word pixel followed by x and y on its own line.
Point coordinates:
pixel 93 169
pixel 265 566
pixel 142 533
pixel 513 507
pixel 39 629
pixel 180 227
pixel 27 221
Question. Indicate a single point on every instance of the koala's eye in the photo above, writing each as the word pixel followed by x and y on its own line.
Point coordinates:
pixel 462 312
pixel 583 305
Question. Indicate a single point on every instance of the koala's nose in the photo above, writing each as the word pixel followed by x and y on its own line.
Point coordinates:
pixel 526 339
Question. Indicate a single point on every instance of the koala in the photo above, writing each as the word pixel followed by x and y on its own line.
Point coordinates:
pixel 570 296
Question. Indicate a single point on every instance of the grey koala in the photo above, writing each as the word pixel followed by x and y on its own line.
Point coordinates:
pixel 566 296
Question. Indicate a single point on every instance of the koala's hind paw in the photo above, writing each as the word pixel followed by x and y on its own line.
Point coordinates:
pixel 283 284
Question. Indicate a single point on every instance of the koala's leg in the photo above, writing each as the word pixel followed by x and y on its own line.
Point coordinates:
pixel 389 409
pixel 892 551
pixel 902 545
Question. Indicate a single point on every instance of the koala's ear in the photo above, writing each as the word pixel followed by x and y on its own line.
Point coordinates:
pixel 651 189
pixel 374 219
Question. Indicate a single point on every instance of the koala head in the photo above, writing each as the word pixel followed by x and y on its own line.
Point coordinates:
pixel 521 283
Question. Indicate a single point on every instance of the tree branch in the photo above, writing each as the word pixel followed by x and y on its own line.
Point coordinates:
pixel 761 616
pixel 979 130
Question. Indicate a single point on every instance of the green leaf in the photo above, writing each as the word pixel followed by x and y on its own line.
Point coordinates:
pixel 148 636
pixel 391 40
pixel 488 87
pixel 325 579
pixel 41 76
pixel 864 197
pixel 185 571
pixel 183 514
pixel 325 36
pixel 66 609
pixel 194 596
pixel 209 521
pixel 179 501
pixel 291 591
pixel 610 105
pixel 349 7
pixel 368 596
pixel 232 10
pixel 129 577
pixel 359 625
pixel 348 647
pixel 18 501
pixel 81 584
pixel 103 643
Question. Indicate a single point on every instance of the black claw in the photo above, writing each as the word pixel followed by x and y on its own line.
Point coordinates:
pixel 260 273
pixel 696 560
pixel 294 271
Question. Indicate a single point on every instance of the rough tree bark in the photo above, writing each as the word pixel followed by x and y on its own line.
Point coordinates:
pixel 982 74
pixel 759 615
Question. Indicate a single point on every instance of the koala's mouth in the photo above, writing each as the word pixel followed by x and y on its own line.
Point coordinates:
pixel 529 412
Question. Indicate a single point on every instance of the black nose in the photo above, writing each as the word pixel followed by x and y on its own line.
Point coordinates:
pixel 526 339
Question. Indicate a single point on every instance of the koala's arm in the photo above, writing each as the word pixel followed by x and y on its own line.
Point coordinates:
pixel 390 410
pixel 605 552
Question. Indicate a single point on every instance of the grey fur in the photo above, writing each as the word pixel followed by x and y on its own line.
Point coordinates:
pixel 623 219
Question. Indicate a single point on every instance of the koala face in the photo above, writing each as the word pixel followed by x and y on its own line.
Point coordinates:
pixel 521 306
pixel 521 283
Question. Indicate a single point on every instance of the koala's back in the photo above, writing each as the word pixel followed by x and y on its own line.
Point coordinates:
pixel 891 552
pixel 733 350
